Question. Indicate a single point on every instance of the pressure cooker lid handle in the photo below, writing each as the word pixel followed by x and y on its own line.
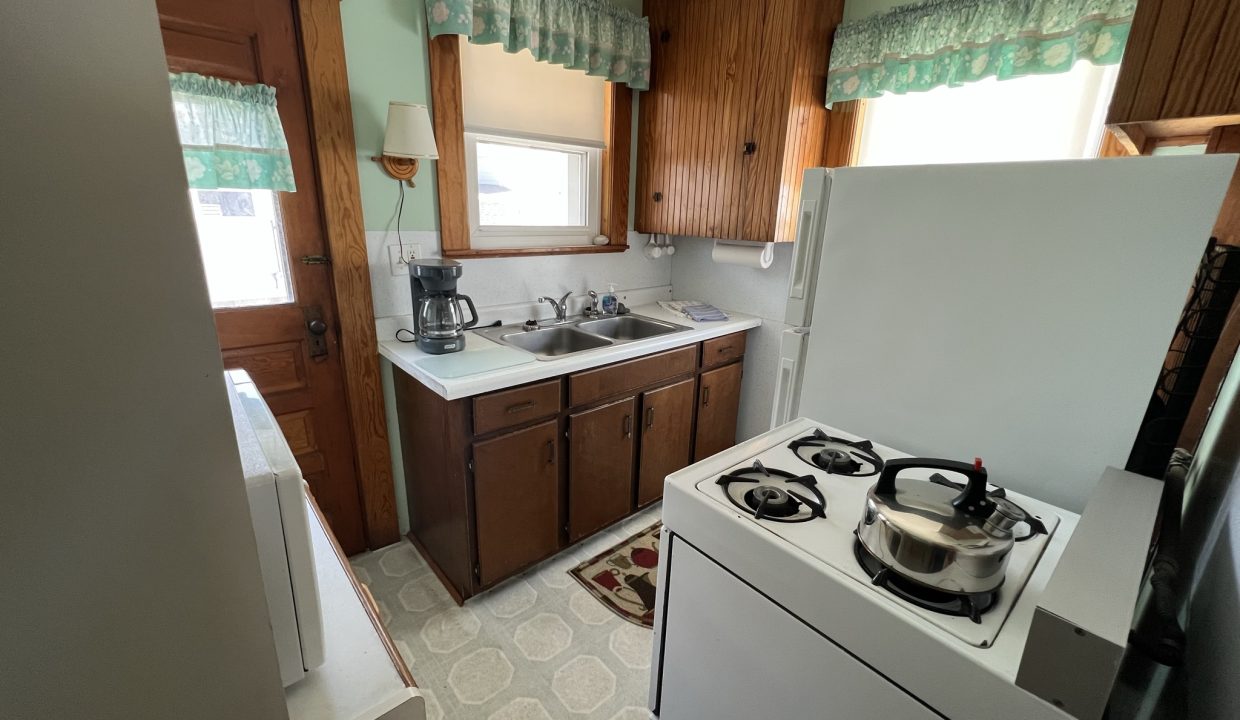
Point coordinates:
pixel 972 500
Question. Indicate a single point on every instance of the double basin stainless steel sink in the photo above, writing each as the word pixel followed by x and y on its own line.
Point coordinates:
pixel 551 341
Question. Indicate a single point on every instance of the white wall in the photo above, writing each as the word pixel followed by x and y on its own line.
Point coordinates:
pixel 747 290
pixel 131 584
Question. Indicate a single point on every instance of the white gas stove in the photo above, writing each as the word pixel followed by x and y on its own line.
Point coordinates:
pixel 768 550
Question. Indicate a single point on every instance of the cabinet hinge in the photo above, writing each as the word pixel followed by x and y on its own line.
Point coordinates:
pixel 477 573
pixel 470 465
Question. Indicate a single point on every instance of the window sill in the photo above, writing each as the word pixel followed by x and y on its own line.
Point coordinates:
pixel 526 252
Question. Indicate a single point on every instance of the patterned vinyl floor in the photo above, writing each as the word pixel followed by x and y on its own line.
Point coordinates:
pixel 538 647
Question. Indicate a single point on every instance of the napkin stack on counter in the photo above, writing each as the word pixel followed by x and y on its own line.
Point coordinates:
pixel 694 310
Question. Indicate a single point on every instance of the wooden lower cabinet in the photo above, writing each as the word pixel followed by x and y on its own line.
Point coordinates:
pixel 719 402
pixel 499 481
pixel 517 499
pixel 666 437
pixel 600 466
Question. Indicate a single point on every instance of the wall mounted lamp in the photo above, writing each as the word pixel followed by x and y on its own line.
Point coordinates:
pixel 409 137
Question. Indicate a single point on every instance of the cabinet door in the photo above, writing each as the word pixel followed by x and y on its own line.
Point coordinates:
pixel 517 499
pixel 600 466
pixel 667 434
pixel 719 399
pixel 697 116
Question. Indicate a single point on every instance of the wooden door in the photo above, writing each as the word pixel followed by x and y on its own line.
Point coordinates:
pixel 266 331
pixel 517 499
pixel 600 466
pixel 697 116
pixel 719 400
pixel 666 437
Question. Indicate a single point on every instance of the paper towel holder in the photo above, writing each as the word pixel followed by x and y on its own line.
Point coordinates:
pixel 746 254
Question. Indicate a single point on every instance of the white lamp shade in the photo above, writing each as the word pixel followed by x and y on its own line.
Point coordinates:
pixel 409 133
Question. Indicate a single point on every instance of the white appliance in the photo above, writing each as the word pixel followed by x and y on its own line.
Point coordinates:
pixel 281 528
pixel 1019 311
pixel 775 617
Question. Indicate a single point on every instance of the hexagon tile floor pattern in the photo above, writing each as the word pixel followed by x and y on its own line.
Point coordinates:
pixel 538 647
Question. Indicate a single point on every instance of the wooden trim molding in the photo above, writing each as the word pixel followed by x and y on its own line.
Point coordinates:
pixel 336 164
pixel 448 119
pixel 843 134
pixel 618 129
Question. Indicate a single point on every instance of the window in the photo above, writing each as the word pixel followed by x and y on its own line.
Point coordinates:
pixel 531 193
pixel 243 250
pixel 1036 117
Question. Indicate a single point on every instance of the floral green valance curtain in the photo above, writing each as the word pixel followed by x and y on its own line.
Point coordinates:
pixel 951 42
pixel 590 35
pixel 231 136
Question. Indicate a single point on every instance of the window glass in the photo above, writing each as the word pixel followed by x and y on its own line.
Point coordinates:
pixel 1036 117
pixel 243 249
pixel 530 186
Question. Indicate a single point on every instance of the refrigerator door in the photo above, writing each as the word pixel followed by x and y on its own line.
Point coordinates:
pixel 815 191
pixel 792 346
pixel 1019 312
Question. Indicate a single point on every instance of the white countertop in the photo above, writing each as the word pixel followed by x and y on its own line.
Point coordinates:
pixel 408 358
pixel 358 680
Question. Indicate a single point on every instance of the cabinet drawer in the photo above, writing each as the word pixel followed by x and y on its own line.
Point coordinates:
pixel 723 349
pixel 586 387
pixel 506 408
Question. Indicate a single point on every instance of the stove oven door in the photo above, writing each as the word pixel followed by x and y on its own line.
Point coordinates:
pixel 730 652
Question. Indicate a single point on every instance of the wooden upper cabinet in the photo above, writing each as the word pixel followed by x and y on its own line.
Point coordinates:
pixel 1182 63
pixel 735 112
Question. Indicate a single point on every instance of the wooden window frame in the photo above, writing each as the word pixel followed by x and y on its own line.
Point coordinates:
pixel 335 154
pixel 448 118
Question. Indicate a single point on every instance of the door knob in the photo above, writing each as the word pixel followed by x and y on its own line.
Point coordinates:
pixel 316 327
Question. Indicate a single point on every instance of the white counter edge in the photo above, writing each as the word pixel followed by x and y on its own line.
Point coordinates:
pixel 406 357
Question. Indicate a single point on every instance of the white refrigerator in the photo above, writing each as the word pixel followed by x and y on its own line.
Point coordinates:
pixel 1017 312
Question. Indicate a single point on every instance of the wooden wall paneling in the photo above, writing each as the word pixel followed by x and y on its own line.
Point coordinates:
pixel 808 115
pixel 1128 84
pixel 1196 50
pixel 686 45
pixel 761 168
pixel 336 161
pixel 1161 60
pixel 701 179
pixel 617 128
pixel 718 84
pixel 1222 75
pixel 737 113
pixel 449 122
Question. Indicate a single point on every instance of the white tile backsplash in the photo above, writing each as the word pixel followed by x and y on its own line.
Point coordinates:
pixel 501 287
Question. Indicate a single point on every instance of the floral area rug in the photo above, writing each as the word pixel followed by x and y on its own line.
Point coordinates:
pixel 623 577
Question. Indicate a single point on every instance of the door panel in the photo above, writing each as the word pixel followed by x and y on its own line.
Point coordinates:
pixel 600 466
pixel 517 499
pixel 255 41
pixel 719 401
pixel 667 437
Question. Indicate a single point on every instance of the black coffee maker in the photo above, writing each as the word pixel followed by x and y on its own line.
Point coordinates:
pixel 438 322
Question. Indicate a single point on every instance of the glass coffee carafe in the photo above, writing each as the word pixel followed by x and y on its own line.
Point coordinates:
pixel 440 316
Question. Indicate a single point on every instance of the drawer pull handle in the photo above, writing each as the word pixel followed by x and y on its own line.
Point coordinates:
pixel 519 407
pixel 550 452
pixel 705 395
pixel 628 426
pixel 649 417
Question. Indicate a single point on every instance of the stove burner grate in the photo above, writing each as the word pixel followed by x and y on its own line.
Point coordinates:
pixel 777 495
pixel 836 455
pixel 972 606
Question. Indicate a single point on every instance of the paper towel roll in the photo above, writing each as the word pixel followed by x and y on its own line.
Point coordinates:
pixel 752 255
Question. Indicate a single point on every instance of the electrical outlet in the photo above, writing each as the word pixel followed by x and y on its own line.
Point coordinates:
pixel 400 264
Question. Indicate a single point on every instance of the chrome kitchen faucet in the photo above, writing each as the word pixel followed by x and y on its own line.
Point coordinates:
pixel 560 307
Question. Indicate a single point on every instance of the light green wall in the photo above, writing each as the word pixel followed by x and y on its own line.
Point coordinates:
pixel 386 49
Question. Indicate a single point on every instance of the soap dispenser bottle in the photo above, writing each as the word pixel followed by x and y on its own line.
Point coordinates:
pixel 610 301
